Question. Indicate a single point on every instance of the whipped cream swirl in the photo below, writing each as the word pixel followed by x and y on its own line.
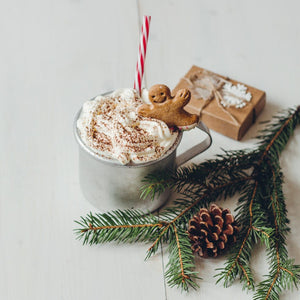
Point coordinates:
pixel 112 128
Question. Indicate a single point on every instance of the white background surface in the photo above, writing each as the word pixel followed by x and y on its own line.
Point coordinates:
pixel 54 55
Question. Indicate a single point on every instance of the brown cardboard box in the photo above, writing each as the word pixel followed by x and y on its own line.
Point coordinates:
pixel 230 121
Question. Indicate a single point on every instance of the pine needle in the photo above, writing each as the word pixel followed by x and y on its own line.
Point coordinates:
pixel 261 213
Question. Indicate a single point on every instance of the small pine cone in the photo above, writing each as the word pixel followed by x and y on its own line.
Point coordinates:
pixel 212 231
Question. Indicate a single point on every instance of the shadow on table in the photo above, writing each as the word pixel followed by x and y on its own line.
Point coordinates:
pixel 268 112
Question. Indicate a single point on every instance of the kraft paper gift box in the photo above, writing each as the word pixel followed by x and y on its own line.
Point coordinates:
pixel 224 105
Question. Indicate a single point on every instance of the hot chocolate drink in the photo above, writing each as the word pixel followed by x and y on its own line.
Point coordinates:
pixel 112 128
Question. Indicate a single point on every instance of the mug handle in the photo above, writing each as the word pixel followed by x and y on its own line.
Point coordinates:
pixel 197 149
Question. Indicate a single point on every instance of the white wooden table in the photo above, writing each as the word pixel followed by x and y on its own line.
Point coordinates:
pixel 54 55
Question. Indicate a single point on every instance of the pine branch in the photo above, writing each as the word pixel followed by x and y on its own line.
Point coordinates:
pixel 261 213
pixel 180 268
pixel 229 167
pixel 273 144
pixel 280 264
pixel 184 209
pixel 121 226
pixel 240 254
pixel 276 135
pixel 273 140
pixel 278 280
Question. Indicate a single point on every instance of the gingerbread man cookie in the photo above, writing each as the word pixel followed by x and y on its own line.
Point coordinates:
pixel 169 109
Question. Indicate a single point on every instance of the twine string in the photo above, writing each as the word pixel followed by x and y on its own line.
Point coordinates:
pixel 214 92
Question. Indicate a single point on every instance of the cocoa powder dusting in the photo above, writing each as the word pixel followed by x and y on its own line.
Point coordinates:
pixel 115 129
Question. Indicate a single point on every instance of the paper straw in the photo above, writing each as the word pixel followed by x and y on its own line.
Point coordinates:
pixel 139 71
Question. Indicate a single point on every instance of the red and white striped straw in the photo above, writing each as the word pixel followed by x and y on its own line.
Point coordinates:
pixel 139 71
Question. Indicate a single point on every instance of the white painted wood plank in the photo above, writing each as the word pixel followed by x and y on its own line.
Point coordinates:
pixel 255 42
pixel 55 55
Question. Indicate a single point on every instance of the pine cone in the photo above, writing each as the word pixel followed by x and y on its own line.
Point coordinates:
pixel 212 231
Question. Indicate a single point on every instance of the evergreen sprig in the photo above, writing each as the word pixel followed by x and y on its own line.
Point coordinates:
pixel 261 213
pixel 180 267
pixel 121 226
